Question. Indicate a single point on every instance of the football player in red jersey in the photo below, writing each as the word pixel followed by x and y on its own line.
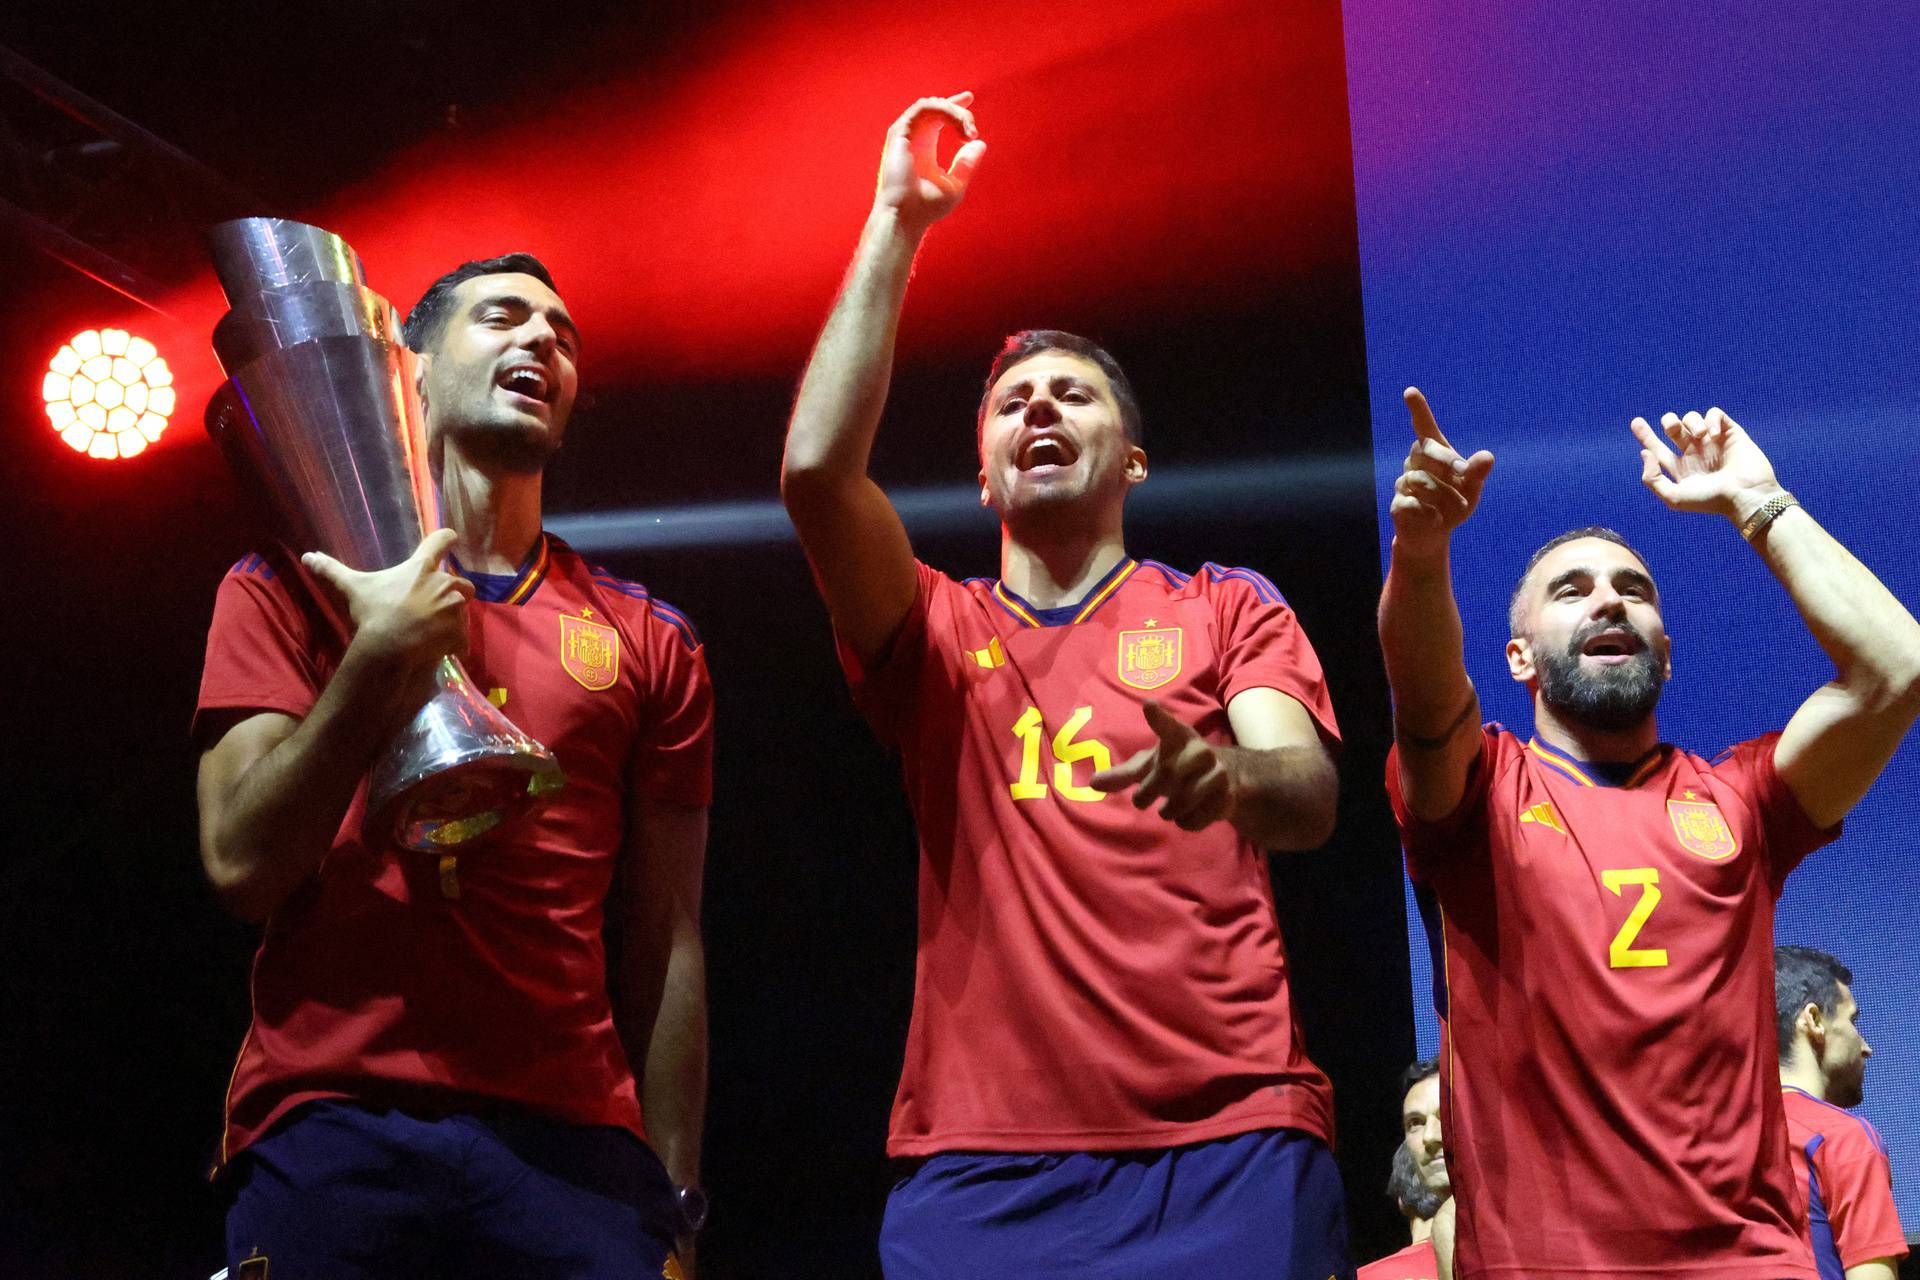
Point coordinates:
pixel 1608 899
pixel 1103 1074
pixel 1838 1157
pixel 437 1079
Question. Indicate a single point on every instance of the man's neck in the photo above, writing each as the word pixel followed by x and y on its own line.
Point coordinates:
pixel 1422 1229
pixel 1802 1073
pixel 1059 571
pixel 1595 746
pixel 495 512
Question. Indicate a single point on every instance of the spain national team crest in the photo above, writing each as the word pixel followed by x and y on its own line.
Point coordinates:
pixel 1149 659
pixel 1702 828
pixel 589 650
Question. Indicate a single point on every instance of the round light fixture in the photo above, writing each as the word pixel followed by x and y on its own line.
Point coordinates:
pixel 108 393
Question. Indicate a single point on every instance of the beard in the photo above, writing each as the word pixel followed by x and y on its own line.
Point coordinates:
pixel 1612 698
pixel 1409 1187
pixel 1847 1084
pixel 510 446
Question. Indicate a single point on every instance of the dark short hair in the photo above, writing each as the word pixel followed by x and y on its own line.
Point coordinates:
pixel 1601 532
pixel 1803 976
pixel 1419 1071
pixel 1032 342
pixel 429 315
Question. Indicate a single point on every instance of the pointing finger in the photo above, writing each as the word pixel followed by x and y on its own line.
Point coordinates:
pixel 1123 775
pixel 1424 425
pixel 1173 732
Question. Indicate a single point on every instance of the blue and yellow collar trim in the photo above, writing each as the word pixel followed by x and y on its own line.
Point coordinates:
pixel 1066 615
pixel 1587 774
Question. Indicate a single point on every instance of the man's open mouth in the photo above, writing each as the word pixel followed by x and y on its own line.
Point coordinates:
pixel 528 380
pixel 1043 450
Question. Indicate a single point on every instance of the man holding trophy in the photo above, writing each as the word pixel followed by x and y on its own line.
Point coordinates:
pixel 449 1060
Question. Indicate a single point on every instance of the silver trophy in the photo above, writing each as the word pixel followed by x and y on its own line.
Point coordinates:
pixel 319 417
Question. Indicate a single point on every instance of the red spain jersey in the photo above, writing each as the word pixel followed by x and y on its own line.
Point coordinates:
pixel 1089 976
pixel 384 980
pixel 1847 1184
pixel 1610 1095
pixel 1415 1262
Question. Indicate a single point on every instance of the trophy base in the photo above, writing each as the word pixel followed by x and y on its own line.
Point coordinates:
pixel 465 800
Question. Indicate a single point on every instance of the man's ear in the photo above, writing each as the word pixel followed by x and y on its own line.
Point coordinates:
pixel 420 362
pixel 1666 659
pixel 1812 1024
pixel 1520 663
pixel 1136 465
pixel 986 498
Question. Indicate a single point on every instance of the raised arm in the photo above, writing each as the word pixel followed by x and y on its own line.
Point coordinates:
pixel 1840 739
pixel 852 536
pixel 273 788
pixel 1435 710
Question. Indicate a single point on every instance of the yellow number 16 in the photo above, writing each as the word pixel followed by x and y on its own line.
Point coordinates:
pixel 1066 753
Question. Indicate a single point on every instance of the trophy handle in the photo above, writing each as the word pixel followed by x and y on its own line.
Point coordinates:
pixel 458 770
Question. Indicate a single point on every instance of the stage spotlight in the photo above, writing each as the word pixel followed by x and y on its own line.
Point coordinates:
pixel 108 393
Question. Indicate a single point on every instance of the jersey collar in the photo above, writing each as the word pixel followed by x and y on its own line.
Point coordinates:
pixel 509 588
pixel 1590 774
pixel 1032 616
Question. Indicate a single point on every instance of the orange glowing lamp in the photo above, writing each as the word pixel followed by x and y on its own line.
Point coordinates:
pixel 108 393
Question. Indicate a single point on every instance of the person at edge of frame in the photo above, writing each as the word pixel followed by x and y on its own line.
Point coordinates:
pixel 1839 1160
pixel 442 1076
pixel 1602 890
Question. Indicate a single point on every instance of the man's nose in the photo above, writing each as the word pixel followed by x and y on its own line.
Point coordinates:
pixel 1041 410
pixel 537 335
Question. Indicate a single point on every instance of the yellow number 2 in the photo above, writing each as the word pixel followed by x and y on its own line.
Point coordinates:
pixel 1621 953
pixel 1030 729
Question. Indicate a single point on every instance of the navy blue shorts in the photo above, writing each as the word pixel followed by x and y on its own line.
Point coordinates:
pixel 1267 1204
pixel 339 1192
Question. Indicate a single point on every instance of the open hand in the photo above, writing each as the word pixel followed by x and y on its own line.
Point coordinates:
pixel 1437 489
pixel 1717 468
pixel 1182 767
pixel 911 180
pixel 414 612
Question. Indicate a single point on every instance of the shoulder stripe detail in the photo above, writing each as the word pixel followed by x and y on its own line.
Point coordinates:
pixel 253 562
pixel 660 608
pixel 1873 1134
pixel 1261 584
pixel 1174 577
pixel 678 621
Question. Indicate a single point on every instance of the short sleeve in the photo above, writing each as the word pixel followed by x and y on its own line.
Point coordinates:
pixel 1789 833
pixel 1262 646
pixel 261 654
pixel 887 690
pixel 673 756
pixel 1427 843
pixel 1857 1184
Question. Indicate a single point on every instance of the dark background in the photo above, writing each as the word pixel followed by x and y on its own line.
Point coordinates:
pixel 124 986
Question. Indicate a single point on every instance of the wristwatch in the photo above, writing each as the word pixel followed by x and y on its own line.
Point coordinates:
pixel 694 1207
